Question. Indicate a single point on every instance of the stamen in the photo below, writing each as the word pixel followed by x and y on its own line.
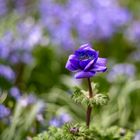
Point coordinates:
pixel 84 56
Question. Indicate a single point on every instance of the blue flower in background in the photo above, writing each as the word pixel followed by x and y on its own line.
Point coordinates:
pixel 137 136
pixel 55 122
pixel 31 99
pixel 29 33
pixel 121 71
pixel 3 51
pixel 3 7
pixel 21 6
pixel 4 111
pixel 73 21
pixel 27 100
pixel 7 73
pixel 86 62
pixel 18 48
pixel 65 118
pixel 133 32
pixel 135 56
pixel 59 120
pixel 15 93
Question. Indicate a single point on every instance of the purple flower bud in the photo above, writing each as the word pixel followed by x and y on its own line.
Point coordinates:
pixel 15 93
pixel 4 111
pixel 60 120
pixel 55 122
pixel 31 99
pixel 65 117
pixel 7 72
pixel 74 130
pixel 86 62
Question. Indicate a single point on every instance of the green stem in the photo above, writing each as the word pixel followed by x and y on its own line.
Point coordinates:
pixel 89 108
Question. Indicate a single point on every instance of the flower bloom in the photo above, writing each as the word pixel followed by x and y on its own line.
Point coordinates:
pixel 123 71
pixel 6 72
pixel 86 62
pixel 58 121
pixel 4 111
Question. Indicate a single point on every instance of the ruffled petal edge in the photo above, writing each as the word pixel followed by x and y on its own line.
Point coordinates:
pixel 83 74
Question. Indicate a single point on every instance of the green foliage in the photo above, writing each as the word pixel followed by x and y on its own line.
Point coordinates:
pixel 123 108
pixel 81 132
pixel 46 71
pixel 99 99
pixel 81 96
pixel 22 121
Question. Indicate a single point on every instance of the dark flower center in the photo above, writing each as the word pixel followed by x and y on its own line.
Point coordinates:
pixel 86 56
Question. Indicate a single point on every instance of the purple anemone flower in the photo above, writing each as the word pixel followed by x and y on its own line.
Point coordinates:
pixel 86 62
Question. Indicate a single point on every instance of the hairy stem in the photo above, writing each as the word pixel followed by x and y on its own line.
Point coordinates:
pixel 89 108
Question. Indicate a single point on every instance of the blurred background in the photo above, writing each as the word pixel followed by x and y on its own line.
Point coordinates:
pixel 36 38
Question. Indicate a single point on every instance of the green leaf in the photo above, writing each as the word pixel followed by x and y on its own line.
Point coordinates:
pixel 100 99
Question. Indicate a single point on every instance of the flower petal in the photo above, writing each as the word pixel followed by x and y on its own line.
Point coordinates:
pixel 83 63
pixel 89 65
pixel 98 68
pixel 84 46
pixel 83 74
pixel 70 67
pixel 71 57
pixel 74 61
pixel 101 61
